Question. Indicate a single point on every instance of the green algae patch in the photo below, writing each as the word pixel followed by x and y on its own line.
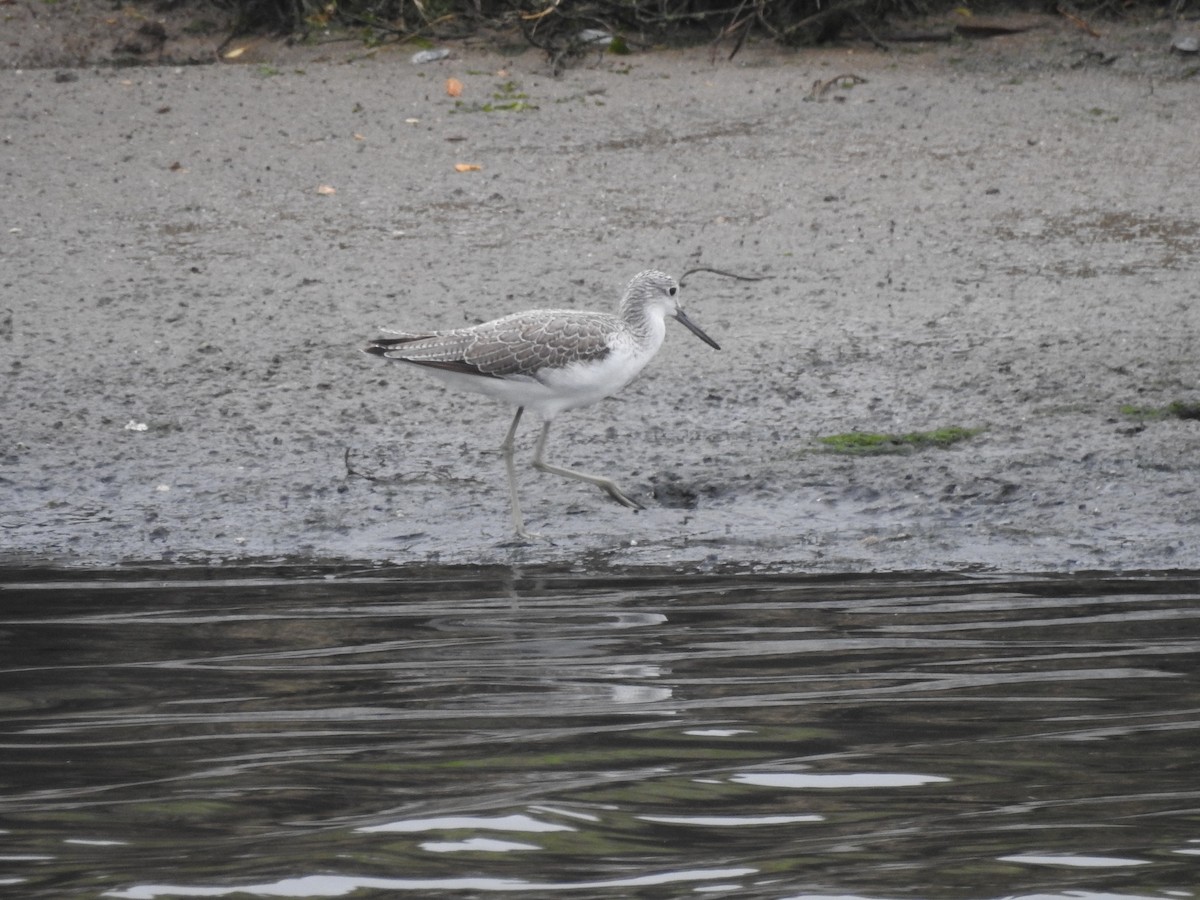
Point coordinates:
pixel 863 442
pixel 1177 409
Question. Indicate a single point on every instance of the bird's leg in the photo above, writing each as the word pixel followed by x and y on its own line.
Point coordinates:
pixel 507 445
pixel 604 484
pixel 507 449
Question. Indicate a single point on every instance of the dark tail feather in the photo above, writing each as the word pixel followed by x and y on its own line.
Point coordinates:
pixel 381 346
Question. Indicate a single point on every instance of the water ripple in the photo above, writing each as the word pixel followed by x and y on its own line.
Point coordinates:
pixel 648 735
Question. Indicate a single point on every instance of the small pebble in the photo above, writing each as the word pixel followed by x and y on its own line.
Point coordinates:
pixel 428 56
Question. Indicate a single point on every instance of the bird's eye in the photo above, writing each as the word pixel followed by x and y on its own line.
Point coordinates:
pixel 672 291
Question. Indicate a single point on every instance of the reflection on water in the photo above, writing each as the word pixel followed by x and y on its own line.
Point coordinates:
pixel 641 736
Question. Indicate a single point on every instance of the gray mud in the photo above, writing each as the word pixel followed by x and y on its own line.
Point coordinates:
pixel 1001 235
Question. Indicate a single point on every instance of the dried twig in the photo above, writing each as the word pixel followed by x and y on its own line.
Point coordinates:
pixel 351 471
pixel 729 29
pixel 862 23
pixel 821 88
pixel 724 273
pixel 1077 21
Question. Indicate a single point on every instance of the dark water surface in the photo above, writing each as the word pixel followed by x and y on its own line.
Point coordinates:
pixel 328 735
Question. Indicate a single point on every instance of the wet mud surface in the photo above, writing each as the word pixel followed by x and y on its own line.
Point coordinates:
pixel 997 235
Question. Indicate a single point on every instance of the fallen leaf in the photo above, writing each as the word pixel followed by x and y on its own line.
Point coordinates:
pixel 454 87
pixel 235 52
pixel 358 137
pixel 502 73
pixel 467 167
pixel 326 190
pixel 177 166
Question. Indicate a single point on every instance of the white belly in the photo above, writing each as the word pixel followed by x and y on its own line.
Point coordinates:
pixel 555 390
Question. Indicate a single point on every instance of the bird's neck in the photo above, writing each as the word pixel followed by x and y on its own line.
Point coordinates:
pixel 646 326
pixel 638 319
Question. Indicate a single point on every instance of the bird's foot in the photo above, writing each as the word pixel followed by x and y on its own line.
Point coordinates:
pixel 617 494
pixel 522 535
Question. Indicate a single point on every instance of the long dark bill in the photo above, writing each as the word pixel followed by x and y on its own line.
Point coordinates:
pixel 695 329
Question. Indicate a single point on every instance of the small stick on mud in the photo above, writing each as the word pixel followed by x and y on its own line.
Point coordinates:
pixel 351 471
pixel 821 88
pixel 724 273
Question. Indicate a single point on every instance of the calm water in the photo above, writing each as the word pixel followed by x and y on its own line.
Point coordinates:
pixel 334 736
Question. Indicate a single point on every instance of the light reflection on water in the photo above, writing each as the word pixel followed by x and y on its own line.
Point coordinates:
pixel 639 736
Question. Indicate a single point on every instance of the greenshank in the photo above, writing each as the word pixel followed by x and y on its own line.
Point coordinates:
pixel 549 361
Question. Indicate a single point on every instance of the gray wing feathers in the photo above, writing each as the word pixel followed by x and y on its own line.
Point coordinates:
pixel 520 344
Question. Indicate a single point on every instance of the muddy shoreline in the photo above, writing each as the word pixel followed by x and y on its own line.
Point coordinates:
pixel 995 235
